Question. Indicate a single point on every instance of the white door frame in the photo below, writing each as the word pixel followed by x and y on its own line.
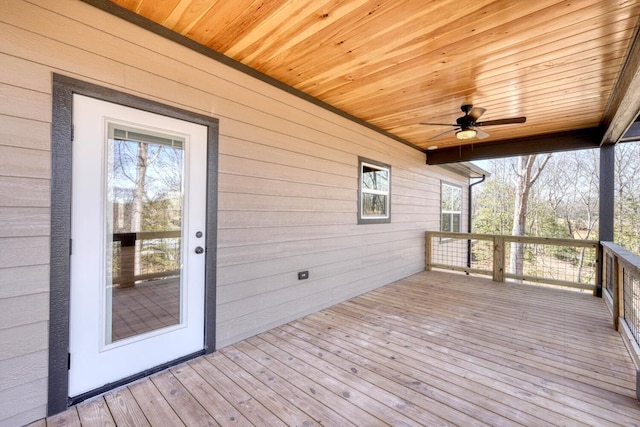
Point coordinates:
pixel 62 134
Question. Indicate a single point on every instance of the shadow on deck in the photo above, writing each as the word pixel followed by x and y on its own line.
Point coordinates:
pixel 432 349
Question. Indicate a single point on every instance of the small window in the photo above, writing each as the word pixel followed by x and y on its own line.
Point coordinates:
pixel 451 208
pixel 374 204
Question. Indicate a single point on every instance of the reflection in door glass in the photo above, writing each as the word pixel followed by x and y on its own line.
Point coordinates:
pixel 144 223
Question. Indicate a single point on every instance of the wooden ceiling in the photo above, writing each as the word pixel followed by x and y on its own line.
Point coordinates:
pixel 571 67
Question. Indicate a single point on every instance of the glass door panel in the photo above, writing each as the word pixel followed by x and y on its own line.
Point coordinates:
pixel 144 231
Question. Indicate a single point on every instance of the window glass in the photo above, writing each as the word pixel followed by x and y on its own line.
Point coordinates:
pixel 446 222
pixel 456 222
pixel 374 192
pixel 446 198
pixel 375 179
pixel 451 207
pixel 374 205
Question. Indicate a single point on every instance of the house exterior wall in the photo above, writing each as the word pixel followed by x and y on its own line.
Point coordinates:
pixel 287 184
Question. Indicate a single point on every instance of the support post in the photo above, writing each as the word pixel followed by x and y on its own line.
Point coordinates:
pixel 607 191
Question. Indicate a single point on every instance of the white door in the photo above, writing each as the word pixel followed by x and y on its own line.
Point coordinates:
pixel 138 224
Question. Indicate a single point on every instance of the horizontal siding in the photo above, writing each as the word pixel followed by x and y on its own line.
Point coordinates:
pixel 25 192
pixel 324 243
pixel 24 310
pixel 24 251
pixel 17 281
pixel 232 166
pixel 26 368
pixel 25 133
pixel 288 173
pixel 25 418
pixel 23 401
pixel 25 103
pixel 244 184
pixel 22 340
pixel 24 162
pixel 19 221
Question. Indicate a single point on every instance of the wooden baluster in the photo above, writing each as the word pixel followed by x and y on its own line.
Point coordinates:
pixel 498 258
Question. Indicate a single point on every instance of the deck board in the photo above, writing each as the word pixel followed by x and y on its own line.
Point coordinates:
pixel 223 412
pixel 473 367
pixel 294 387
pixel 239 398
pixel 125 409
pixel 433 349
pixel 95 412
pixel 157 410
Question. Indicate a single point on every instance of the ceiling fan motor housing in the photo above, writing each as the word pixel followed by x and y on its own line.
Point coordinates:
pixel 466 120
pixel 466 108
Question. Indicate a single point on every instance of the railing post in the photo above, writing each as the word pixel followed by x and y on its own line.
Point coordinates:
pixel 127 260
pixel 498 258
pixel 615 295
pixel 600 271
pixel 427 250
pixel 618 302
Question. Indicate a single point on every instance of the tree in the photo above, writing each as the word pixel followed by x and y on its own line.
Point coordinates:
pixel 526 175
pixel 627 196
pixel 493 207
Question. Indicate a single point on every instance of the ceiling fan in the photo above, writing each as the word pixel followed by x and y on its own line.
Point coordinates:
pixel 466 127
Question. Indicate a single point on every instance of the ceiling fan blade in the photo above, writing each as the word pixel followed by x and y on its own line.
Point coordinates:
pixel 440 135
pixel 480 134
pixel 437 124
pixel 510 121
pixel 476 112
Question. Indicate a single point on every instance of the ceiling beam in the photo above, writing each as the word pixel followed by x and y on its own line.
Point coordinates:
pixel 633 133
pixel 552 142
pixel 624 102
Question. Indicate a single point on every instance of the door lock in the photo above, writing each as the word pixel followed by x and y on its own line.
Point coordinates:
pixel 199 250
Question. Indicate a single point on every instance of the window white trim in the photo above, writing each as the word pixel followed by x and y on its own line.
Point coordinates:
pixel 379 191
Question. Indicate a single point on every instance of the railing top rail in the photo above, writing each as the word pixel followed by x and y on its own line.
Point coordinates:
pixel 146 235
pixel 460 235
pixel 630 259
pixel 518 239
pixel 552 241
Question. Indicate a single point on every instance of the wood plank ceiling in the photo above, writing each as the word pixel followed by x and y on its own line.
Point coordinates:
pixel 397 63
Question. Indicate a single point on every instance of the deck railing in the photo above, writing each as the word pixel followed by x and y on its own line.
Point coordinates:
pixel 145 255
pixel 621 284
pixel 561 262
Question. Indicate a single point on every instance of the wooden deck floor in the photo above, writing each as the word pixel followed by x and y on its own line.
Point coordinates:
pixel 433 349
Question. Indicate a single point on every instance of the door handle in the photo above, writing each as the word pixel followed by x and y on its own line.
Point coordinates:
pixel 199 250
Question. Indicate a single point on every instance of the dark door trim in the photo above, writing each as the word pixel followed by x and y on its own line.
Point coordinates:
pixel 61 144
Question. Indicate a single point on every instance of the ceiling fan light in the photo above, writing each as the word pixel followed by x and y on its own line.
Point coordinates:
pixel 466 134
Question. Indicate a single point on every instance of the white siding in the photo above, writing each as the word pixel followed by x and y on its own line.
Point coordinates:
pixel 288 175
